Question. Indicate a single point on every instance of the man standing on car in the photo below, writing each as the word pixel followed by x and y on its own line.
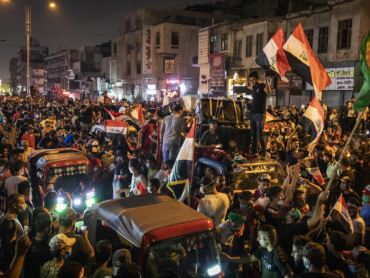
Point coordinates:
pixel 258 115
pixel 87 115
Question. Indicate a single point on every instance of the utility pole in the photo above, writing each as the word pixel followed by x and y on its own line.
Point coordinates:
pixel 28 10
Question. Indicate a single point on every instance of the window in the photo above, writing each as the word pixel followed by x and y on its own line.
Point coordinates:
pixel 323 39
pixel 128 49
pixel 138 67
pixel 139 23
pixel 212 44
pixel 259 43
pixel 309 36
pixel 158 39
pixel 344 34
pixel 248 49
pixel 238 50
pixel 90 57
pixel 128 26
pixel 224 42
pixel 138 47
pixel 174 40
pixel 128 68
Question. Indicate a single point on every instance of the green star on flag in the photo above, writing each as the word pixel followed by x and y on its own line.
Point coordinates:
pixel 363 99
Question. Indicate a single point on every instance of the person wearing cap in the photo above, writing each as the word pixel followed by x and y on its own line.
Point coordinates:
pixel 264 183
pixel 82 251
pixel 346 188
pixel 46 130
pixel 359 228
pixel 359 261
pixel 214 205
pixel 120 258
pixel 60 247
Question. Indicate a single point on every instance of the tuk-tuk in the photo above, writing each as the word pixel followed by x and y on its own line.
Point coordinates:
pixel 169 234
pixel 248 178
pixel 65 169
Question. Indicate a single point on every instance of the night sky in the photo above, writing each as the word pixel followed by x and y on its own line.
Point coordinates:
pixel 71 24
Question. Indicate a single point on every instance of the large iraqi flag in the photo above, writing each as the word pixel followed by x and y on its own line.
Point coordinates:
pixel 267 58
pixel 313 122
pixel 182 170
pixel 312 168
pixel 137 113
pixel 297 56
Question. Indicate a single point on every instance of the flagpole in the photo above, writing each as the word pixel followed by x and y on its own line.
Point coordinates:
pixel 329 214
pixel 359 117
pixel 192 164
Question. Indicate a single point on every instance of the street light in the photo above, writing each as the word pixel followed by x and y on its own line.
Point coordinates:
pixel 28 10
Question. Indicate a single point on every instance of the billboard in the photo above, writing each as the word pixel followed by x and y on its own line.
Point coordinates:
pixel 147 49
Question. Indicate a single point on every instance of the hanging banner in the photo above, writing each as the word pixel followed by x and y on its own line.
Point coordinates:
pixel 203 46
pixel 147 49
pixel 217 70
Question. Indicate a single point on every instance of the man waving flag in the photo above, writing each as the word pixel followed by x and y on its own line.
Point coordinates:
pixel 363 99
pixel 298 57
pixel 267 58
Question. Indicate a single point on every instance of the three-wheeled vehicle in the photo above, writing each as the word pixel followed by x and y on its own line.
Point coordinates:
pixel 169 234
pixel 67 169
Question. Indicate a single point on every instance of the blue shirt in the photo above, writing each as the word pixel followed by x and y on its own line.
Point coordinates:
pixel 365 215
pixel 69 139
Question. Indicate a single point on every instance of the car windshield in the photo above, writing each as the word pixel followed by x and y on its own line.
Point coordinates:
pixel 186 256
pixel 68 178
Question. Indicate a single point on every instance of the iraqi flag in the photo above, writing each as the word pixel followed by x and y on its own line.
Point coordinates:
pixel 313 122
pixel 271 121
pixel 340 212
pixel 298 57
pixel 114 115
pixel 267 58
pixel 117 127
pixel 313 169
pixel 137 113
pixel 180 176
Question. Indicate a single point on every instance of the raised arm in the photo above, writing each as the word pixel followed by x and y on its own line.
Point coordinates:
pixel 319 210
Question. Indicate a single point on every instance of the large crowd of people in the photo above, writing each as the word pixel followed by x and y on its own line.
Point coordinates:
pixel 276 230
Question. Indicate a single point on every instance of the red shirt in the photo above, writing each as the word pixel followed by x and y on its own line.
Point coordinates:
pixel 30 139
pixel 15 116
pixel 146 142
pixel 94 163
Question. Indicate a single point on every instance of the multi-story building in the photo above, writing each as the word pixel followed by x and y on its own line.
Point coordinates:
pixel 57 68
pixel 13 69
pixel 37 55
pixel 334 30
pixel 37 78
pixel 154 52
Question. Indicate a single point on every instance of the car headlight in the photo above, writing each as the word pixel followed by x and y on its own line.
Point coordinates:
pixel 90 202
pixel 61 207
pixel 213 270
pixel 77 201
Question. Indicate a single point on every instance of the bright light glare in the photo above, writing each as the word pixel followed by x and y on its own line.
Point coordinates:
pixel 52 5
pixel 60 200
pixel 61 207
pixel 90 194
pixel 90 202
pixel 77 202
pixel 214 270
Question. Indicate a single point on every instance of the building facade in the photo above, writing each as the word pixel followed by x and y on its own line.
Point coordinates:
pixel 37 56
pixel 334 30
pixel 153 54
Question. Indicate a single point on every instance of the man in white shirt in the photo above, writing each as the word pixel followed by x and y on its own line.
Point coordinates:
pixel 215 204
pixel 122 109
pixel 11 184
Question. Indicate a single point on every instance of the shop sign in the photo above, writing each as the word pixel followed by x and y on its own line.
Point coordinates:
pixel 342 79
pixel 203 44
pixel 217 71
pixel 147 49
pixel 169 66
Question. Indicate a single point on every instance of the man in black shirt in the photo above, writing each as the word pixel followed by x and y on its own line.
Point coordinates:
pixel 48 142
pixel 258 116
pixel 87 115
pixel 273 258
